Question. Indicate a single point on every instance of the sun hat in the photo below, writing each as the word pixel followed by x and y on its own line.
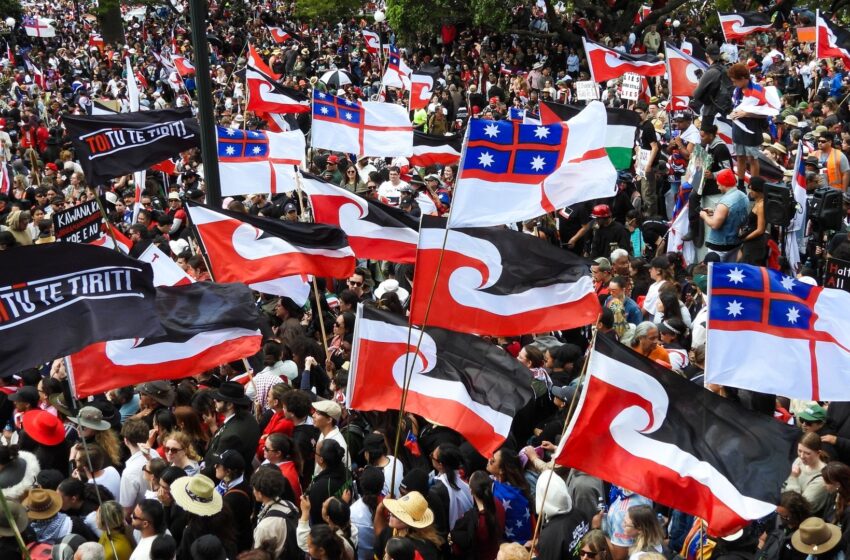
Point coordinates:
pixel 160 391
pixel 19 514
pixel 779 148
pixel 44 428
pixel 791 120
pixel 411 509
pixel 42 504
pixel 231 391
pixel 197 494
pixel 91 417
pixel 391 286
pixel 815 536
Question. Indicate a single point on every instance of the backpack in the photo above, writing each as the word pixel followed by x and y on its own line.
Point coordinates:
pixel 290 547
pixel 723 101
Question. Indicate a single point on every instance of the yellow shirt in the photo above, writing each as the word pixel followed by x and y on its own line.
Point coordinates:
pixel 123 546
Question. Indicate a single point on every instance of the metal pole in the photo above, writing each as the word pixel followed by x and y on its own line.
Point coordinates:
pixel 209 144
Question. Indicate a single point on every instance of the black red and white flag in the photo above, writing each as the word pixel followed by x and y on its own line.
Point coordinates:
pixel 496 281
pixel 375 230
pixel 58 298
pixel 249 249
pixel 607 64
pixel 267 96
pixel 457 380
pixel 205 325
pixel 184 66
pixel 435 150
pixel 109 146
pixel 281 35
pixel 832 40
pixel 642 427
pixel 422 84
pixel 738 25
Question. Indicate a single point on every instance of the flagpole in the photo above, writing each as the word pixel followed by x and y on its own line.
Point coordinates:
pixel 108 225
pixel 408 373
pixel 570 412
pixel 315 284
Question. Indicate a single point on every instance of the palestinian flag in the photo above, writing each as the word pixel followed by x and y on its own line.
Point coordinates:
pixel 619 133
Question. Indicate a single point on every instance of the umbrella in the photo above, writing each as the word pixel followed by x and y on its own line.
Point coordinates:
pixel 336 78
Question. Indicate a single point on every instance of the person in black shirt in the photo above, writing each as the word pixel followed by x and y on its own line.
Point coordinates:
pixel 720 159
pixel 573 224
pixel 607 233
pixel 649 142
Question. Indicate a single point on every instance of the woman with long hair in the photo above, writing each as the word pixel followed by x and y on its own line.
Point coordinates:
pixel 641 524
pixel 594 546
pixel 753 236
pixel 641 280
pixel 478 533
pixel 180 452
pixel 351 180
pixel 93 466
pixel 510 484
pixel 189 422
pixel 370 483
pixel 836 477
pixel 16 224
pixel 792 510
pixel 281 451
pixel 661 274
pixel 115 536
pixel 412 520
pixel 669 306
pixel 806 477
pixel 447 462
pixel 324 544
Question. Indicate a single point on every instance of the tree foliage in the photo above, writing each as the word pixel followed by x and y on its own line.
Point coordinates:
pixel 11 8
pixel 330 10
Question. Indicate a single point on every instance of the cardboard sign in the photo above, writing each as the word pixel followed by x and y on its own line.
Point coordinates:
pixel 837 274
pixel 587 90
pixel 80 224
pixel 631 86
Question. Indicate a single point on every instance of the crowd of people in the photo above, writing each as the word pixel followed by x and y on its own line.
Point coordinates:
pixel 227 465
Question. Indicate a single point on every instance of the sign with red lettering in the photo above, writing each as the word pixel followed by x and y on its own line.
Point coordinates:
pixel 837 274
pixel 109 146
pixel 80 224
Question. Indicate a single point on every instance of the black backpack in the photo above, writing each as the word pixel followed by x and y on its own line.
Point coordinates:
pixel 290 547
pixel 723 101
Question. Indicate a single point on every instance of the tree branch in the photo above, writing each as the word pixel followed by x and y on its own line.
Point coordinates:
pixel 655 15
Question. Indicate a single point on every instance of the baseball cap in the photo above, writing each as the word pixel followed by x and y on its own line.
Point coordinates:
pixel 812 413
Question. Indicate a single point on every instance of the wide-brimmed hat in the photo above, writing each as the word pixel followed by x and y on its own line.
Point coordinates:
pixel 231 391
pixel 815 536
pixel 43 427
pixel 19 475
pixel 91 417
pixel 411 509
pixel 160 391
pixel 42 504
pixel 791 120
pixel 391 287
pixel 197 494
pixel 57 401
pixel 779 148
pixel 19 514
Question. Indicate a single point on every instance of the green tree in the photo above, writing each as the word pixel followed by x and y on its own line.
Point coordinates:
pixel 11 8
pixel 111 25
pixel 331 10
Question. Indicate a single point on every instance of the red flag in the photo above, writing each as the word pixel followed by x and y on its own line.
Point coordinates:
pixel 373 41
pixel 608 64
pixel 278 34
pixel 183 66
pixel 255 60
pixel 494 281
pixel 421 89
pixel 96 40
pixel 250 249
pixel 683 70
pixel 832 40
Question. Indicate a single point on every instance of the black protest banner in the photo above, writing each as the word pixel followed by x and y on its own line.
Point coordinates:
pixel 837 274
pixel 109 146
pixel 56 299
pixel 80 224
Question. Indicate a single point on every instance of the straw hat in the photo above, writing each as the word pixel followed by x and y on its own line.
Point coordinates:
pixel 42 504
pixel 411 509
pixel 766 139
pixel 779 148
pixel 196 494
pixel 791 120
pixel 815 536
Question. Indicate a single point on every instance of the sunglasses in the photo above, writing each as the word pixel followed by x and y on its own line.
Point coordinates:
pixel 587 554
pixel 353 283
pixel 808 422
pixel 173 449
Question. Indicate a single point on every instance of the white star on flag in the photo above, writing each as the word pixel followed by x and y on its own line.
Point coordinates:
pixel 230 132
pixel 736 275
pixel 734 308
pixel 491 130
pixel 348 116
pixel 324 110
pixel 541 132
pixel 230 150
pixel 792 315
pixel 322 96
pixel 257 149
pixel 506 504
pixel 485 159
pixel 787 282
pixel 537 163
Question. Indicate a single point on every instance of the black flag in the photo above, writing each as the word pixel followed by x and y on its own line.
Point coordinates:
pixel 58 298
pixel 113 145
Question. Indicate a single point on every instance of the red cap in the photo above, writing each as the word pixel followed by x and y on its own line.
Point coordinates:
pixel 601 211
pixel 476 109
pixel 726 178
pixel 333 159
pixel 494 99
pixel 52 167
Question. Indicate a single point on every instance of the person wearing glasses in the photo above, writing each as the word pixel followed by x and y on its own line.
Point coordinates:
pixel 641 524
pixel 594 546
pixel 813 418
pixel 833 160
pixel 792 510
pixel 352 182
pixel 359 284
pixel 147 519
pixel 180 452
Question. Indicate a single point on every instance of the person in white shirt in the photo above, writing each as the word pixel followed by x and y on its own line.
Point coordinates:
pixel 326 415
pixel 376 453
pixel 148 520
pixel 390 191
pixel 364 168
pixel 133 484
